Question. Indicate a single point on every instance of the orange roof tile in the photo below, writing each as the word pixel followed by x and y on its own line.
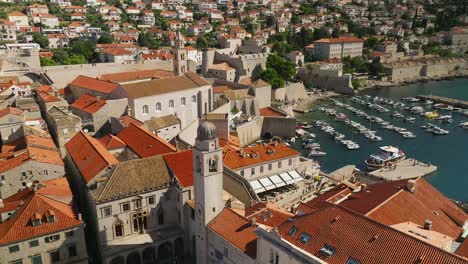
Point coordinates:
pixel 52 196
pixel 11 110
pixel 144 143
pixel 270 111
pixel 273 214
pixel 237 230
pixel 88 103
pixel 137 75
pixel 117 51
pixel 94 84
pixel 234 159
pixel 47 97
pixel 110 141
pixel 339 40
pixel 356 236
pixel 181 165
pixel 89 156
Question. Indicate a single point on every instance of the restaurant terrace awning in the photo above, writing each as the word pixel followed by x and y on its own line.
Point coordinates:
pixel 275 181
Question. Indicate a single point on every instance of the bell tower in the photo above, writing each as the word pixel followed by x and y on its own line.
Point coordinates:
pixel 180 56
pixel 208 184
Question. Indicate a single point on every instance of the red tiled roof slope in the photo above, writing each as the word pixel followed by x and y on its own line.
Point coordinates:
pixel 94 84
pixel 181 165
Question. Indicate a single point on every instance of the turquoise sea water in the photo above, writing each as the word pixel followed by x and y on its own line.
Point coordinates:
pixel 449 153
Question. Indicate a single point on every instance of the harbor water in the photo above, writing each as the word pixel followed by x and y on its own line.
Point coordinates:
pixel 448 152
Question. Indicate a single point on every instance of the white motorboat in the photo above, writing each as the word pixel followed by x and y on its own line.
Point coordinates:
pixel 410 119
pixel 388 156
pixel 464 125
pixel 315 153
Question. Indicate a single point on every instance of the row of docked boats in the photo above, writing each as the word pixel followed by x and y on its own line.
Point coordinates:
pixel 374 119
pixel 325 127
pixel 434 129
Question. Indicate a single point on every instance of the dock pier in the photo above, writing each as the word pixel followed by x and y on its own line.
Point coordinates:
pixel 445 100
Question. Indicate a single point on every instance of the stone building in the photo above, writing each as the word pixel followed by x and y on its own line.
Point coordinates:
pixel 222 71
pixel 10 120
pixel 188 97
pixel 95 111
pixel 86 85
pixel 30 159
pixel 338 48
pixel 62 126
pixel 165 127
pixel 41 225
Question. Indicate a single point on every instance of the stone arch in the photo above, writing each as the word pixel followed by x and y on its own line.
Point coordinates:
pixel 133 258
pixel 118 260
pixel 149 255
pixel 165 253
pixel 118 228
pixel 213 163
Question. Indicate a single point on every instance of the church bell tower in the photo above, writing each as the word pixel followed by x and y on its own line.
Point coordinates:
pixel 208 184
pixel 180 56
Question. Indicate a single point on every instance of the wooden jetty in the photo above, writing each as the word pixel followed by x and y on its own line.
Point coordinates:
pixel 445 100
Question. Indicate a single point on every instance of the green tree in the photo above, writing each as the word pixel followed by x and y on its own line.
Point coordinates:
pixel 272 77
pixel 371 43
pixel 47 62
pixel 77 59
pixel 285 69
pixel 105 38
pixel 86 48
pixel 61 56
pixel 40 39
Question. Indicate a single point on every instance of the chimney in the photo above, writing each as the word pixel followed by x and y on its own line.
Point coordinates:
pixel 411 185
pixel 428 224
pixel 254 222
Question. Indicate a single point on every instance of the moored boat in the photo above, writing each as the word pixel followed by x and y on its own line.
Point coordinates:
pixel 388 156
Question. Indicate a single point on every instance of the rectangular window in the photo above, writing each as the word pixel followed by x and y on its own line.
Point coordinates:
pixel 65 130
pixel 261 169
pixel 125 207
pixel 304 238
pixel 72 251
pixel 151 200
pixel 352 261
pixel 292 231
pixel 69 233
pixel 45 173
pixel 33 243
pixel 54 256
pixel 290 162
pixel 226 252
pixel 138 203
pixel 14 248
pixel 252 171
pixel 36 259
pixel 242 173
pixel 52 238
pixel 279 164
pixel 105 212
pixel 327 250
pixel 270 166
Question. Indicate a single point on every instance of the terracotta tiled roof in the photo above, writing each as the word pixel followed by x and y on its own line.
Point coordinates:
pixel 126 120
pixel 267 214
pixel 45 88
pixel 365 240
pixel 116 45
pixel 237 230
pixel 110 141
pixel 391 203
pixel 189 80
pixel 16 13
pixel 88 103
pixel 156 123
pixel 269 111
pixel 220 89
pixel 462 250
pixel 137 75
pixel 339 40
pixel 234 159
pixel 144 143
pixel 117 51
pixel 181 164
pixel 47 97
pixel 88 155
pixel 94 84
pixel 54 195
pixel 11 110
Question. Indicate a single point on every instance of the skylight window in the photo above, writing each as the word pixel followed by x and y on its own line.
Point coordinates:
pixel 292 231
pixel 304 237
pixel 268 213
pixel 262 217
pixel 353 261
pixel 327 250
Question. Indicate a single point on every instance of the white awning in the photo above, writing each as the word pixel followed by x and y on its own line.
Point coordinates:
pixel 257 187
pixel 286 178
pixel 267 183
pixel 295 175
pixel 277 181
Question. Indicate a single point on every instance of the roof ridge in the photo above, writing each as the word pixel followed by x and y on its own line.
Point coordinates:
pixel 88 137
pixel 26 202
pixel 167 144
pixel 384 202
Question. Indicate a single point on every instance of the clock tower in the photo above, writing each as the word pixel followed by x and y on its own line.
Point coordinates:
pixel 208 184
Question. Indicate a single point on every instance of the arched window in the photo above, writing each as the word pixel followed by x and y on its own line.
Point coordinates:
pixel 213 164
pixel 158 106
pixel 194 99
pixel 182 101
pixel 145 109
pixel 118 229
pixel 171 103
